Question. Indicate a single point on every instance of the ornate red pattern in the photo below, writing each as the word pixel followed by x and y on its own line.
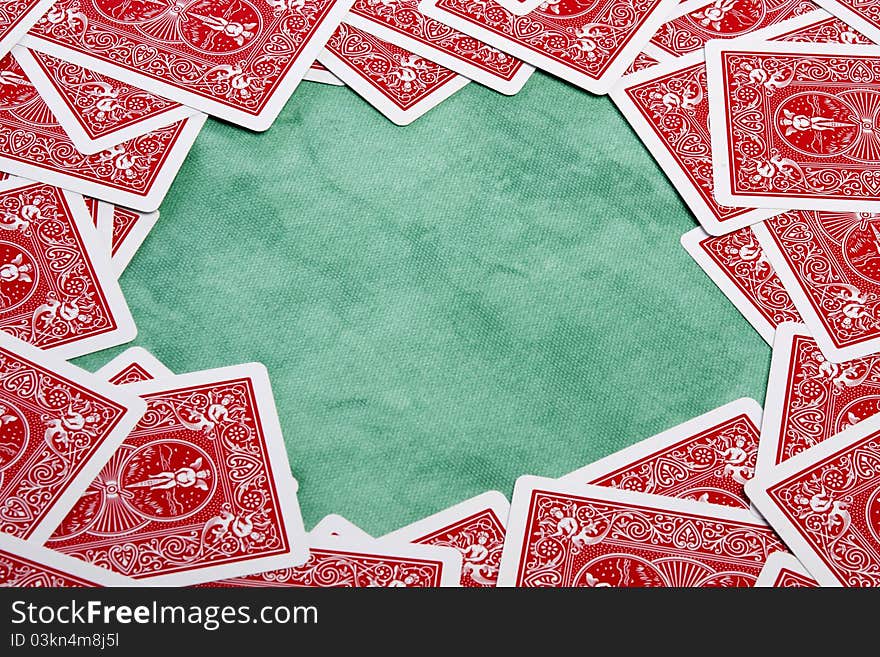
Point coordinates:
pixel 20 572
pixel 92 205
pixel 834 506
pixel 834 257
pixel 830 30
pixel 789 579
pixel 124 221
pixel 640 63
pixel 404 17
pixel 234 52
pixel 49 429
pixel 742 259
pixel 724 19
pixel 12 12
pixel 867 10
pixel 402 77
pixel 779 156
pixel 49 292
pixel 101 105
pixel 133 373
pixel 824 398
pixel 480 539
pixel 711 466
pixel 676 106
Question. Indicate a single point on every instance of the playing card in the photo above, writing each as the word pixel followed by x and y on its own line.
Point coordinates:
pixel 133 365
pixel 400 22
pixel 825 261
pixel 695 23
pixel 809 398
pixel 783 570
pixel 825 504
pixel 474 527
pixel 341 555
pixel 737 265
pixel 16 18
pixel 135 174
pixel 861 14
pixel 95 111
pixel 238 60
pixel 24 564
pixel 318 73
pixel 804 135
pixel 200 490
pixel 127 229
pixel 589 44
pixel 57 291
pixel 59 425
pixel 571 534
pixel 398 83
pixel 707 459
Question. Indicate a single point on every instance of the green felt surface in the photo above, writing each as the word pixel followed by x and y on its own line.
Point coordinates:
pixel 497 289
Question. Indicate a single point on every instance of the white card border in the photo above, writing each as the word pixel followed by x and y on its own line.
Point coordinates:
pixel 492 500
pixel 335 525
pixel 14 35
pixel 685 7
pixel 519 7
pixel 774 565
pixel 132 242
pixel 449 558
pixel 322 77
pixel 851 18
pixel 660 152
pixel 143 202
pixel 105 223
pixel 665 439
pixel 777 385
pixel 365 90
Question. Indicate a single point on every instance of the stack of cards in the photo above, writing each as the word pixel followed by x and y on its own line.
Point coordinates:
pixel 784 186
pixel 136 476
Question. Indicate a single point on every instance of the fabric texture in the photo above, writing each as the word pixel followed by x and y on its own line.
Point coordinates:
pixel 497 289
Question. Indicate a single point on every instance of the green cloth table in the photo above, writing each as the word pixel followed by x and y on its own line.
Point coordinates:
pixel 497 289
